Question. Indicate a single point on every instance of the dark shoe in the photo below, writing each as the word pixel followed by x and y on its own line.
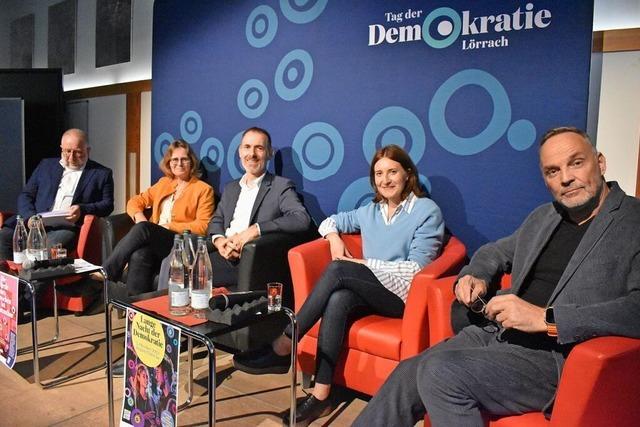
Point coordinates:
pixel 309 409
pixel 117 369
pixel 262 361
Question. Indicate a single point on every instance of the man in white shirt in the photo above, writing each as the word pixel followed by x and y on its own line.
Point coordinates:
pixel 256 204
pixel 71 183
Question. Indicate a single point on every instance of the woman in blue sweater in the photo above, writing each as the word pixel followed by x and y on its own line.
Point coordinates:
pixel 401 232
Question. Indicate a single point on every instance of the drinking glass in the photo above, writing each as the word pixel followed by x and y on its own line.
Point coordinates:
pixel 274 296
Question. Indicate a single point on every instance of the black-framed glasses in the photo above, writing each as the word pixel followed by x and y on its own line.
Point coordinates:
pixel 176 160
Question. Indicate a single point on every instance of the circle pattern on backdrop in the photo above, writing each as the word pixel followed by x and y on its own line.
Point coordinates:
pixel 160 146
pixel 261 26
pixel 394 125
pixel 358 193
pixel 191 126
pixel 212 154
pixel 233 161
pixel 302 11
pixel 521 134
pixel 449 28
pixel 425 182
pixel 253 98
pixel 487 137
pixel 319 151
pixel 293 75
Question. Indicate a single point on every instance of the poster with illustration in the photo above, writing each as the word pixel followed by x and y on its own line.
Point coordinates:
pixel 151 372
pixel 8 319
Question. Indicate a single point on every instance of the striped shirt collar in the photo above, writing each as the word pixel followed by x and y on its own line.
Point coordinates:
pixel 406 205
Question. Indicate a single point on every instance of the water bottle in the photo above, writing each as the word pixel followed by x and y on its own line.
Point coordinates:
pixel 37 240
pixel 201 280
pixel 43 232
pixel 188 256
pixel 19 241
pixel 178 292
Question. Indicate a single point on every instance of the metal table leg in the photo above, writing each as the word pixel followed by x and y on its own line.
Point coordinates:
pixel 56 336
pixel 212 382
pixel 190 382
pixel 108 332
pixel 34 334
pixel 294 372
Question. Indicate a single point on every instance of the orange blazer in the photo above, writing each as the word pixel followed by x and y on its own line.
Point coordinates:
pixel 192 211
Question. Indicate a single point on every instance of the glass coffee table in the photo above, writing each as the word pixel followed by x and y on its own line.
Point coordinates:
pixel 34 287
pixel 204 333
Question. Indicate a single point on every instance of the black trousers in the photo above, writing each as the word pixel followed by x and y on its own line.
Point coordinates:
pixel 346 291
pixel 143 248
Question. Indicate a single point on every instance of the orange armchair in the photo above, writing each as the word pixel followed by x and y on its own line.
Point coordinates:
pixel 599 384
pixel 374 344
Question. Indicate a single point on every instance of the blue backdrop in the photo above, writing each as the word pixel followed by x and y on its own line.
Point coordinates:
pixel 466 87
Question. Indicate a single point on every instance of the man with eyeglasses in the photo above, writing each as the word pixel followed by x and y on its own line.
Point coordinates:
pixel 71 183
pixel 575 270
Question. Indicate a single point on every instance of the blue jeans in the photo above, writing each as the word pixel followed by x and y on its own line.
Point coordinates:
pixel 345 291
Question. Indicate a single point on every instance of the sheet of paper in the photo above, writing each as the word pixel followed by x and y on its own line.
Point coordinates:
pixel 83 266
pixel 56 218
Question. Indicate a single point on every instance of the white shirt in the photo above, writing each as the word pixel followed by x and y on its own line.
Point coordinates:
pixel 67 188
pixel 166 207
pixel 242 213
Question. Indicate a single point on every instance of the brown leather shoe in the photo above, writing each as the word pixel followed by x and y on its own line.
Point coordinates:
pixel 309 409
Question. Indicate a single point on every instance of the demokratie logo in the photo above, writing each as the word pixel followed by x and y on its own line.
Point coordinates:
pixel 443 26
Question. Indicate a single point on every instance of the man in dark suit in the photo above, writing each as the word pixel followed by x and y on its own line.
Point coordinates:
pixel 256 204
pixel 71 183
pixel 575 275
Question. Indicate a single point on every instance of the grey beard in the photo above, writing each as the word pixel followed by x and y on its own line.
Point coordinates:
pixel 585 209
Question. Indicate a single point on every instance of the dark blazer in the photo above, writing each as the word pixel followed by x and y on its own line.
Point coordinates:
pixel 599 291
pixel 277 207
pixel 94 193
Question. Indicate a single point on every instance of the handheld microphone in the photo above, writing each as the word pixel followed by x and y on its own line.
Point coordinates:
pixel 222 301
pixel 29 264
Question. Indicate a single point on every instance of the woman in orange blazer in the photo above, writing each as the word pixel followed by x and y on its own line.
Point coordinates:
pixel 179 201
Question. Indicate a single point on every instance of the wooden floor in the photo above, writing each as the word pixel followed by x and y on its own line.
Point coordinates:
pixel 243 400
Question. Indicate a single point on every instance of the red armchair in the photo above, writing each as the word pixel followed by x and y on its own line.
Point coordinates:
pixel 374 344
pixel 599 384
pixel 89 248
pixel 4 215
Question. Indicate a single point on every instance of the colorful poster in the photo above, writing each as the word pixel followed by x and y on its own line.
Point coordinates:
pixel 151 372
pixel 8 319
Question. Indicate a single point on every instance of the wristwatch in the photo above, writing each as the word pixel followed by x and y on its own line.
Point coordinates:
pixel 550 320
